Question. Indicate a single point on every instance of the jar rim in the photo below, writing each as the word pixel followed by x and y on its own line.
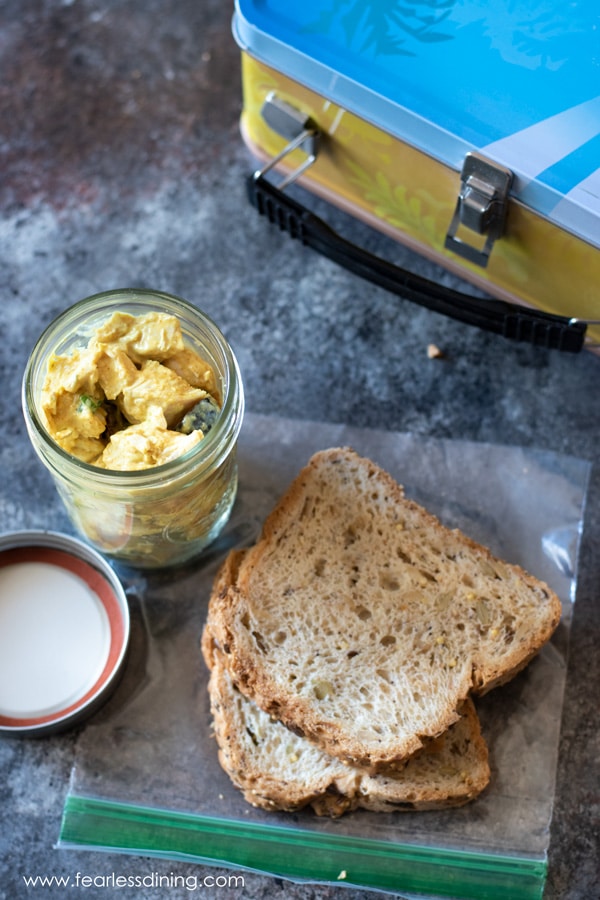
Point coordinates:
pixel 205 453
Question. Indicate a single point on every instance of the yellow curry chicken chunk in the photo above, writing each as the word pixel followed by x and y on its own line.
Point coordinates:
pixel 118 402
pixel 152 336
pixel 148 444
pixel 156 385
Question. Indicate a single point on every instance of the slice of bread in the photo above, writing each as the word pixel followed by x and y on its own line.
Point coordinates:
pixel 277 770
pixel 362 623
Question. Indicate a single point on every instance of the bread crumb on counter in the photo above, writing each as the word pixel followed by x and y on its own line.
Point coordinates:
pixel 434 352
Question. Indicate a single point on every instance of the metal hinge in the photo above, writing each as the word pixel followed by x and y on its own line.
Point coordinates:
pixel 481 207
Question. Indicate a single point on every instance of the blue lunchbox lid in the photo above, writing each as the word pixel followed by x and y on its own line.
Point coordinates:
pixel 517 81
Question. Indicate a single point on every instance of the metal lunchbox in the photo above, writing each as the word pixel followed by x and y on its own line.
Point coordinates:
pixel 469 130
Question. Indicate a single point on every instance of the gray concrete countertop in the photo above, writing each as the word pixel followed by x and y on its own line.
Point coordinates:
pixel 121 165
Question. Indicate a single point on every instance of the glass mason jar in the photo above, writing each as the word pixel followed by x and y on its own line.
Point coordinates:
pixel 158 516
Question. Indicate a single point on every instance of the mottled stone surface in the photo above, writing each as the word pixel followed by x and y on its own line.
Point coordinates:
pixel 121 165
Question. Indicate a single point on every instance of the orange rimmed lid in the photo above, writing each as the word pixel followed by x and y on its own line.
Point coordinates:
pixel 64 630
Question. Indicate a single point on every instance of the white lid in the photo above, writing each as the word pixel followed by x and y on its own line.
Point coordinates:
pixel 64 627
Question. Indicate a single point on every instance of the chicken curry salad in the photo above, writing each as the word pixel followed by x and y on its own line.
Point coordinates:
pixel 135 397
pixel 134 402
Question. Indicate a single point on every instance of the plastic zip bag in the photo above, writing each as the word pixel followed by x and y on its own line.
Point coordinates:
pixel 147 779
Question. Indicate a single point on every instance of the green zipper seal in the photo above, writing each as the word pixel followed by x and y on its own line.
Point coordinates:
pixel 300 855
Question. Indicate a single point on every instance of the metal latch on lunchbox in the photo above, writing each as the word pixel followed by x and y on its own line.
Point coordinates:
pixel 297 128
pixel 481 207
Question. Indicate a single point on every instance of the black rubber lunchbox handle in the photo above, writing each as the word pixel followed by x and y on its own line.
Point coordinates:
pixel 507 319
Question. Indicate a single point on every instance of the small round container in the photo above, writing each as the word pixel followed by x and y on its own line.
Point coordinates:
pixel 64 631
pixel 155 517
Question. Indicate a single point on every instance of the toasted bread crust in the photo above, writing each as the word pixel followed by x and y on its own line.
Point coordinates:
pixel 276 770
pixel 362 623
